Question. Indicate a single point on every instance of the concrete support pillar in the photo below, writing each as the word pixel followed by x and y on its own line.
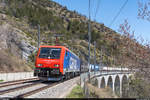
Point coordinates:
pixel 120 88
pixel 106 82
pixel 113 87
pixel 113 83
pixel 99 83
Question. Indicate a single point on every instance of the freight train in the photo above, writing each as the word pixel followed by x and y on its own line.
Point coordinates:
pixel 54 63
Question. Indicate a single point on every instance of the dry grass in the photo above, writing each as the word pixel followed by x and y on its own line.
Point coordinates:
pixel 100 93
pixel 10 63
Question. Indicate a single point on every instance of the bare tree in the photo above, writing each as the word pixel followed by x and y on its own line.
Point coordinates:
pixel 144 10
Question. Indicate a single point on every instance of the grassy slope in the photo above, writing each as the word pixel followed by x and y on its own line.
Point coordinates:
pixel 76 92
pixel 10 63
pixel 111 47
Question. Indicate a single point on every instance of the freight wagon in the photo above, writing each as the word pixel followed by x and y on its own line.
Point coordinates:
pixel 56 63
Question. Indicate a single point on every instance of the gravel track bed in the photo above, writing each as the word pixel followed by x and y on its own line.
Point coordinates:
pixel 24 90
pixel 56 91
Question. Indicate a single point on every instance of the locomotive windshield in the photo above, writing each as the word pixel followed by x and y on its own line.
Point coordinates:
pixel 50 53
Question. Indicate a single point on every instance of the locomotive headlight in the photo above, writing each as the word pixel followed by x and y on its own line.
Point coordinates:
pixel 40 65
pixel 56 65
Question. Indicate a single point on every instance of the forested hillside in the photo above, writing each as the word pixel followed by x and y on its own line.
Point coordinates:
pixel 112 49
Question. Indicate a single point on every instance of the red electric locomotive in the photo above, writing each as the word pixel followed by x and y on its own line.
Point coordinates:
pixel 56 63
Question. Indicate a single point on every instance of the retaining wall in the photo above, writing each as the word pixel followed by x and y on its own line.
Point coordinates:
pixel 15 76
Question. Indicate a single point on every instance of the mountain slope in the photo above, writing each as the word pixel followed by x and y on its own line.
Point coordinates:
pixel 23 16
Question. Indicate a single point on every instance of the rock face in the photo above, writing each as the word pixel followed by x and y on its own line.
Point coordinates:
pixel 12 39
pixel 26 49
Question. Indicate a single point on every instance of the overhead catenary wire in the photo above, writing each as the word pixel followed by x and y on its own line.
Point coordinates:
pixel 118 13
pixel 69 3
pixel 97 8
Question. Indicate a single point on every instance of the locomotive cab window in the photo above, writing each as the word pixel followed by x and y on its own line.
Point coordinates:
pixel 50 53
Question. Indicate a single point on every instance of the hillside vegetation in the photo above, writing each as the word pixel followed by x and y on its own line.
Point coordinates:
pixel 112 49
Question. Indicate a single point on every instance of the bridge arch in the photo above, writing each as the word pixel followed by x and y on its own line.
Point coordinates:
pixel 117 85
pixel 110 82
pixel 124 85
pixel 103 84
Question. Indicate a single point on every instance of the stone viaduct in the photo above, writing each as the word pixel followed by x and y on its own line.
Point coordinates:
pixel 117 81
pixel 115 78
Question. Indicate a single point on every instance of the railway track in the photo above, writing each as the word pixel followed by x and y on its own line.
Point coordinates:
pixel 18 88
pixel 9 83
pixel 28 89
pixel 24 95
pixel 3 93
pixel 35 91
